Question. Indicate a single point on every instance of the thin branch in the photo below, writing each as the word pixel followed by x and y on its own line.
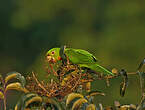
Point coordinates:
pixel 4 92
pixel 132 73
pixel 39 84
pixel 53 70
pixel 142 81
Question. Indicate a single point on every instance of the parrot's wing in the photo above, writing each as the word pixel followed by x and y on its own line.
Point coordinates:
pixel 78 56
pixel 84 52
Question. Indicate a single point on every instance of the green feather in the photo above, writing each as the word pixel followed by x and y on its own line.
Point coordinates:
pixel 78 56
pixel 85 59
pixel 97 68
pixel 82 58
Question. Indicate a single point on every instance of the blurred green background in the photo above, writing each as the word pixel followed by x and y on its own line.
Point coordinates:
pixel 114 31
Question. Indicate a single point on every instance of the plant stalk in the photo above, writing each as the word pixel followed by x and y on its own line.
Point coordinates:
pixel 142 81
pixel 5 102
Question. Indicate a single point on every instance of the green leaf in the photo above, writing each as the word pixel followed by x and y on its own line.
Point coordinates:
pixel 1 95
pixel 84 106
pixel 16 86
pixel 15 75
pixel 91 107
pixel 33 99
pixel 93 93
pixel 51 103
pixel 26 100
pixel 1 77
pixel 71 98
pixel 1 81
pixel 77 104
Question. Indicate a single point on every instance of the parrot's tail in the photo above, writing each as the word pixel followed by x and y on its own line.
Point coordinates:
pixel 97 68
pixel 103 70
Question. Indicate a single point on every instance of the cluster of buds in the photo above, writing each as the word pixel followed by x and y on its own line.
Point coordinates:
pixel 70 77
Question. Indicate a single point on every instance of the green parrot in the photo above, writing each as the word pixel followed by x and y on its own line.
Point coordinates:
pixel 77 56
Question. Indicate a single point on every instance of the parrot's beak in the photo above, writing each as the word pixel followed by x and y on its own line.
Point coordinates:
pixel 50 59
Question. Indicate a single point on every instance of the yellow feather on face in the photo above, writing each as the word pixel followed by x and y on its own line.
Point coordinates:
pixel 53 54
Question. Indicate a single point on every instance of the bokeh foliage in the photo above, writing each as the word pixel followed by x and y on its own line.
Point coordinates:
pixel 112 30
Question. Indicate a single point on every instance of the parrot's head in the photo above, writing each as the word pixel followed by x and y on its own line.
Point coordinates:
pixel 53 55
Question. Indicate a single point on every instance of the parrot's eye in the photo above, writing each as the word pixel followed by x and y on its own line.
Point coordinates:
pixel 52 52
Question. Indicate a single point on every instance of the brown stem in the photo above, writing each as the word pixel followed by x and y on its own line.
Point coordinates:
pixel 53 70
pixel 140 106
pixel 5 105
pixel 101 106
pixel 39 84
pixel 129 73
pixel 132 73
